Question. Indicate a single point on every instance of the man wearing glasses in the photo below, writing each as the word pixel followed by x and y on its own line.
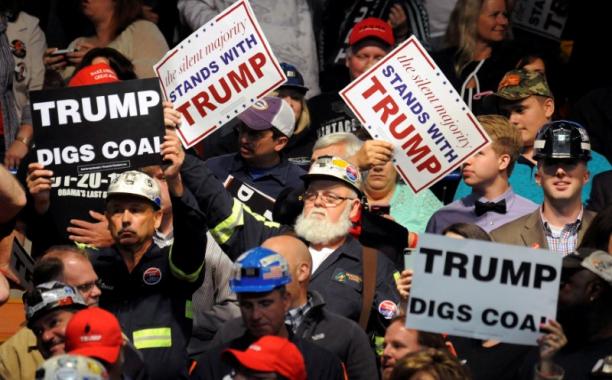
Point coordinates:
pixel 331 201
pixel 19 356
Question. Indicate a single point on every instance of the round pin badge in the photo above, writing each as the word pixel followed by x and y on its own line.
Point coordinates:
pixel 388 309
pixel 152 276
pixel 351 174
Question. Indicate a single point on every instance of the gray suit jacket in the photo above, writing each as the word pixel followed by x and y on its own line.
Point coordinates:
pixel 528 230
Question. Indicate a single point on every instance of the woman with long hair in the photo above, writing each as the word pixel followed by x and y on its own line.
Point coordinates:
pixel 479 52
pixel 118 24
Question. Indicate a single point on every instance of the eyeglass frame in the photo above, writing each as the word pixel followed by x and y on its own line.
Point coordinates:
pixel 88 286
pixel 324 194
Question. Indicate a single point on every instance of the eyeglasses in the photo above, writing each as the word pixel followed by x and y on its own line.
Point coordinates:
pixel 88 286
pixel 329 199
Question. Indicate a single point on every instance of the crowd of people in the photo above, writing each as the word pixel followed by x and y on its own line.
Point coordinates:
pixel 173 276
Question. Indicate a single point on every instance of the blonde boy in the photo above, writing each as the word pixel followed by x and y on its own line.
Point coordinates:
pixel 492 202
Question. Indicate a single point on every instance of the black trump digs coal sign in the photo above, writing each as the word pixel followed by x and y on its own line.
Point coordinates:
pixel 107 127
pixel 482 290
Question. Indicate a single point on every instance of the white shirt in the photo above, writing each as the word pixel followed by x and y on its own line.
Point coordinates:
pixel 318 256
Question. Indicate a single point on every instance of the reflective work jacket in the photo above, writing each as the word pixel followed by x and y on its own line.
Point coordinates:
pixel 153 301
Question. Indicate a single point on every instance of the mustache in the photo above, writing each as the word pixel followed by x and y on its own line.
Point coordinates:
pixel 48 344
pixel 317 210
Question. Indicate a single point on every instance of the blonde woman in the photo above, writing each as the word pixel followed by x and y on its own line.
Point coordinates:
pixel 479 52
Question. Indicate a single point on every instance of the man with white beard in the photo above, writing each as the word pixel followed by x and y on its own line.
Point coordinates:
pixel 331 201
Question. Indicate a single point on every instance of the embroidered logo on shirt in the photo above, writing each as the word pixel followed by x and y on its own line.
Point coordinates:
pixel 343 276
pixel 152 276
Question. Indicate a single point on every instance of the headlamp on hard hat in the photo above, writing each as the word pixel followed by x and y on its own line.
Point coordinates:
pixel 259 270
pixel 562 140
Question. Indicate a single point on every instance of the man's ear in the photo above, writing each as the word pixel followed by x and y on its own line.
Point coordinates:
pixel 303 272
pixel 281 142
pixel 158 215
pixel 549 107
pixel 504 161
pixel 355 212
pixel 594 290
pixel 538 176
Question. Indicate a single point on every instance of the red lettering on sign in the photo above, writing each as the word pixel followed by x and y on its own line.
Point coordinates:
pixel 244 75
pixel 414 148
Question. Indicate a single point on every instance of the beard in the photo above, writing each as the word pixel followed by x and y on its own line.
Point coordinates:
pixel 320 231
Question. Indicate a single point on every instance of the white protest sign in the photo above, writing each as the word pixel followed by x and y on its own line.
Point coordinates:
pixel 218 71
pixel 482 290
pixel 406 100
pixel 544 17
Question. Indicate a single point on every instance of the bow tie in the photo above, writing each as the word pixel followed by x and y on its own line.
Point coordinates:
pixel 484 207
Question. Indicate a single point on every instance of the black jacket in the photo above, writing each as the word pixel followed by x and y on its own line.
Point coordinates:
pixel 152 302
pixel 341 336
pixel 324 328
pixel 320 363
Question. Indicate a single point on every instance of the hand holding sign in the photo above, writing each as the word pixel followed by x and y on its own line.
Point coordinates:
pixel 373 153
pixel 552 342
pixel 95 234
pixel 172 117
pixel 172 151
pixel 403 284
pixel 39 185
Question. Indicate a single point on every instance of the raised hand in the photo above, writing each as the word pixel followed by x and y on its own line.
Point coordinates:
pixel 92 233
pixel 39 186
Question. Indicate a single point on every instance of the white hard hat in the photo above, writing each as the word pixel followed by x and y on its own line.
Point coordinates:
pixel 135 183
pixel 334 168
pixel 71 367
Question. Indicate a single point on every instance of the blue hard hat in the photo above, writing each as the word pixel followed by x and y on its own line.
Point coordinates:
pixel 294 78
pixel 259 270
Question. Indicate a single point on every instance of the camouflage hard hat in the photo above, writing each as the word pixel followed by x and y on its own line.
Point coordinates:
pixel 520 84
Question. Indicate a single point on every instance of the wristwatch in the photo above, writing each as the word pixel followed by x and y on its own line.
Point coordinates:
pixel 24 140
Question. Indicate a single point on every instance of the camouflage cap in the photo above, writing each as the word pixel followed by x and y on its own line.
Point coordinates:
pixel 520 84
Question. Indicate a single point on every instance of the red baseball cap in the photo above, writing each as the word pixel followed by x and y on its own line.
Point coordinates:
pixel 94 74
pixel 372 27
pixel 94 332
pixel 272 354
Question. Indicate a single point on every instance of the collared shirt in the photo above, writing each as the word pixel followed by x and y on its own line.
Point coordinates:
pixel 271 181
pixel 564 241
pixel 523 179
pixel 462 211
pixel 295 316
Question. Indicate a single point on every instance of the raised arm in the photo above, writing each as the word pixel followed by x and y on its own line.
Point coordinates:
pixel 12 196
